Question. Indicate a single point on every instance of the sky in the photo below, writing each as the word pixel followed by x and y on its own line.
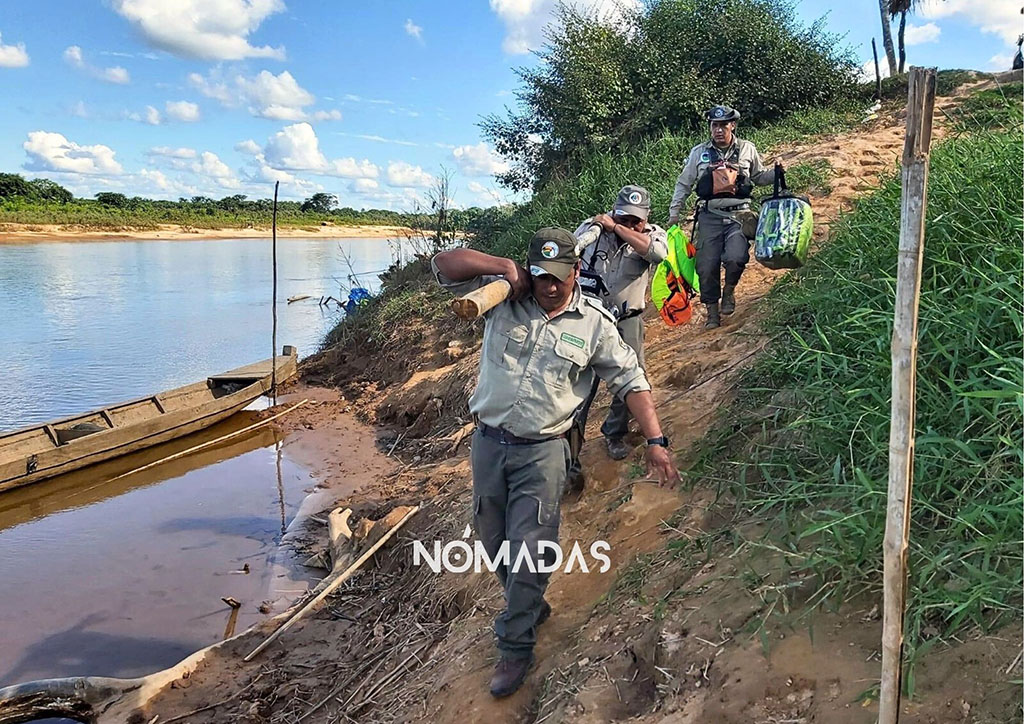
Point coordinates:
pixel 367 101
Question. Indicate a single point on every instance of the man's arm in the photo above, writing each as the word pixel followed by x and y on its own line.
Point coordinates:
pixel 759 174
pixel 659 461
pixel 640 242
pixel 461 265
pixel 683 186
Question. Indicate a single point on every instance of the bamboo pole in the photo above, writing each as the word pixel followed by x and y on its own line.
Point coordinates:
pixel 313 603
pixel 916 149
pixel 273 304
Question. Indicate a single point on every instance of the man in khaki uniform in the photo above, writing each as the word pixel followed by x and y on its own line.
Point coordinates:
pixel 541 349
pixel 618 251
pixel 720 239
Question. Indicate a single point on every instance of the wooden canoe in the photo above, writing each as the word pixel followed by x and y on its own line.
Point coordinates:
pixel 39 452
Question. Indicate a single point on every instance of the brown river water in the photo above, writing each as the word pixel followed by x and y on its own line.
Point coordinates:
pixel 122 578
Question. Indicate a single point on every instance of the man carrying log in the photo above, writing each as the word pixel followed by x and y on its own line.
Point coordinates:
pixel 618 251
pixel 541 350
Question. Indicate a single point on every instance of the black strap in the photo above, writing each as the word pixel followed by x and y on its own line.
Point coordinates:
pixel 780 181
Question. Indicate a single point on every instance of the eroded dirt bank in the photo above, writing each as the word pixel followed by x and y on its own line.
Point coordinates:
pixel 696 621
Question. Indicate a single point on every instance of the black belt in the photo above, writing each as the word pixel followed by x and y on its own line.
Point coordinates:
pixel 504 437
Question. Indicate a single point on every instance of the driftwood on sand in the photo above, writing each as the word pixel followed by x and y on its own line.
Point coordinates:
pixel 106 700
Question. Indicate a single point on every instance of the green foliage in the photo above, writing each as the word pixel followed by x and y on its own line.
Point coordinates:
pixel 602 87
pixel 113 199
pixel 816 459
pixel 319 203
pixel 13 186
pixel 653 164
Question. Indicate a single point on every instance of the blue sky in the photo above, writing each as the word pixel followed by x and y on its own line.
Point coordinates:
pixel 367 101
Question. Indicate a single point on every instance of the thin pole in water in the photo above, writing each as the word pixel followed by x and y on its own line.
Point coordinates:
pixel 273 306
pixel 916 149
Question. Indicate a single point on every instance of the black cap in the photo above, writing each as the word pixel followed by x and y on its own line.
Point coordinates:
pixel 552 251
pixel 723 113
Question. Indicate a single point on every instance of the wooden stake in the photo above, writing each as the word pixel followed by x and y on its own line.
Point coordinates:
pixel 201 446
pixel 301 613
pixel 273 305
pixel 916 149
pixel 482 300
pixel 878 73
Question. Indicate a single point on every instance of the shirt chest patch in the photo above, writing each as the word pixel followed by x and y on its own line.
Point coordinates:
pixel 573 340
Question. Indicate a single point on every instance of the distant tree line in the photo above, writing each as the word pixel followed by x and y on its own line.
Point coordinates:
pixel 19 195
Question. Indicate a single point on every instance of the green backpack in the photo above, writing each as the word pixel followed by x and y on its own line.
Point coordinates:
pixel 784 227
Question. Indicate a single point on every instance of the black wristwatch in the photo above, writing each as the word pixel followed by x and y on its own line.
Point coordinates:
pixel 663 441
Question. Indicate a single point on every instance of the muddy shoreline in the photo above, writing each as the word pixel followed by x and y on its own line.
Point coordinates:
pixel 55 233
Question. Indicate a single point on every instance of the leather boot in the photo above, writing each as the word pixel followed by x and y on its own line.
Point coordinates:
pixel 509 675
pixel 729 299
pixel 617 449
pixel 714 320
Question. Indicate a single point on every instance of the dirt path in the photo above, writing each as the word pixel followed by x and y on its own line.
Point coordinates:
pixel 687 634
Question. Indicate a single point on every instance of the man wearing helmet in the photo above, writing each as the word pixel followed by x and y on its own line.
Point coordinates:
pixel 724 171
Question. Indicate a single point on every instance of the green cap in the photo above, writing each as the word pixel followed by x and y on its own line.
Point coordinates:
pixel 633 201
pixel 552 251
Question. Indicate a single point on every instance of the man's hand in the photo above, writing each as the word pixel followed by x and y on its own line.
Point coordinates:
pixel 661 466
pixel 672 221
pixel 518 278
pixel 607 222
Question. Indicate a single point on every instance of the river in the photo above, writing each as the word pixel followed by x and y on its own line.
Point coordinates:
pixel 122 578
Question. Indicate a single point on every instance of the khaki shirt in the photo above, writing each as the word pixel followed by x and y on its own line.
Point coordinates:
pixel 624 271
pixel 535 371
pixel 749 162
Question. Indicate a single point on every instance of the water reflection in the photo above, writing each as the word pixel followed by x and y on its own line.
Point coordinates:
pixel 88 324
pixel 125 577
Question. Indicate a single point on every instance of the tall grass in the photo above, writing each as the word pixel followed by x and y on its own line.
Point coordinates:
pixel 817 461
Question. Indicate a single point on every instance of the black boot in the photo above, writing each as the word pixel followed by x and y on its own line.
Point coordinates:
pixel 714 320
pixel 729 299
pixel 509 675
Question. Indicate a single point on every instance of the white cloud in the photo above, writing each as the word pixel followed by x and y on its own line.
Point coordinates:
pixel 13 56
pixel 79 110
pixel 867 71
pixel 478 160
pixel 998 17
pixel 413 30
pixel 1002 61
pixel 210 166
pixel 73 56
pixel 277 97
pixel 296 148
pixel 172 152
pixel 364 185
pixel 182 111
pixel 919 34
pixel 405 175
pixel 53 152
pixel 377 139
pixel 248 146
pixel 485 196
pixel 203 29
pixel 152 116
pixel 525 20
pixel 351 97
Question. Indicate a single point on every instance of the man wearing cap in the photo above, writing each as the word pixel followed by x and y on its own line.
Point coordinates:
pixel 618 250
pixel 724 170
pixel 541 350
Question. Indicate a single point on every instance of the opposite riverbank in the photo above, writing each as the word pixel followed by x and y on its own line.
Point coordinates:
pixel 35 233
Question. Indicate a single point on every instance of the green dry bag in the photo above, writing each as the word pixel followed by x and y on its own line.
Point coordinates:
pixel 784 227
pixel 674 283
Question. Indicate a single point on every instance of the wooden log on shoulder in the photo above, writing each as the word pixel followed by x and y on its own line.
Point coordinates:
pixel 482 300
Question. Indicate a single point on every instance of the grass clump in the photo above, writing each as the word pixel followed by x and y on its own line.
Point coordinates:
pixel 818 461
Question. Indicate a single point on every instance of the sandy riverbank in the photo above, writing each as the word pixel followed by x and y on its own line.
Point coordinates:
pixel 28 233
